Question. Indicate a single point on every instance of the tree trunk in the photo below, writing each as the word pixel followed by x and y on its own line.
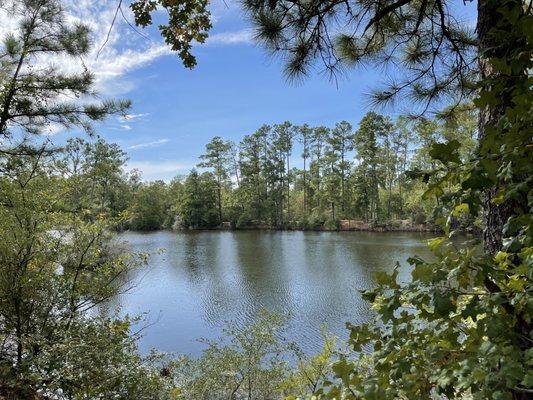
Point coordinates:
pixel 495 216
pixel 342 184
pixel 288 188
pixel 305 188
pixel 220 202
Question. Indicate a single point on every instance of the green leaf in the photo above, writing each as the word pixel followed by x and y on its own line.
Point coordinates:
pixel 446 152
pixel 460 209
pixel 435 243
pixel 422 273
pixel 443 304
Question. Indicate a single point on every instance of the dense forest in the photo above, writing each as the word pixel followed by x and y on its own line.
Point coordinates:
pixel 460 328
pixel 342 173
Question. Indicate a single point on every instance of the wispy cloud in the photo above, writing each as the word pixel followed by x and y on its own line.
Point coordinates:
pixel 243 36
pixel 125 121
pixel 124 51
pixel 164 170
pixel 145 145
pixel 132 117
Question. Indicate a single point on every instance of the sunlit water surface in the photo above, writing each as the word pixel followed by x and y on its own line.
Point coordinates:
pixel 203 279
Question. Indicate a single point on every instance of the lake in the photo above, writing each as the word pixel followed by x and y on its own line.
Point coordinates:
pixel 203 279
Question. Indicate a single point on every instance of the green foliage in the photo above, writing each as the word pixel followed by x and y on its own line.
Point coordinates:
pixel 445 330
pixel 368 174
pixel 188 21
pixel 150 207
pixel 56 269
pixel 58 263
pixel 312 372
pixel 218 157
pixel 435 51
pixel 461 328
pixel 98 358
pixel 247 363
pixel 345 175
pixel 197 205
pixel 94 171
pixel 250 362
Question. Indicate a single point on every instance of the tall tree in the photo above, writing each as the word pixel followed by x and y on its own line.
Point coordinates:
pixel 305 135
pixel 401 142
pixel 282 143
pixel 234 157
pixel 389 159
pixel 341 143
pixel 150 207
pixel 103 168
pixel 320 135
pixel 95 172
pixel 218 157
pixel 197 204
pixel 252 164
pixel 332 180
pixel 371 127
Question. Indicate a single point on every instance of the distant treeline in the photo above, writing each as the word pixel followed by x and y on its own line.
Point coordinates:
pixel 281 176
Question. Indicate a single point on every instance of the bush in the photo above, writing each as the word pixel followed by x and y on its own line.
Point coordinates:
pixel 315 221
pixel 331 224
pixel 249 362
pixel 244 220
pixel 419 218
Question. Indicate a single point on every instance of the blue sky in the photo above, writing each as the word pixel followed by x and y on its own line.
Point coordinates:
pixel 235 88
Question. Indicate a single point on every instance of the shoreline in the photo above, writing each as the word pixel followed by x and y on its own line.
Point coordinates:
pixel 279 229
pixel 367 229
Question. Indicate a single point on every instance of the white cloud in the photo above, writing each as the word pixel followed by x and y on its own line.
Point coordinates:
pixel 145 145
pixel 153 170
pixel 124 51
pixel 244 36
pixel 131 117
pixel 125 121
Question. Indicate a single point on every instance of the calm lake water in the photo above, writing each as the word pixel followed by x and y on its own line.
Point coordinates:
pixel 203 279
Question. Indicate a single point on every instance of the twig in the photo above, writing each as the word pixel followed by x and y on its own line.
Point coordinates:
pixel 110 28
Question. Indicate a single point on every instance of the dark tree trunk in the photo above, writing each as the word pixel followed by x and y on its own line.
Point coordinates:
pixel 288 188
pixel 495 216
pixel 219 193
pixel 305 186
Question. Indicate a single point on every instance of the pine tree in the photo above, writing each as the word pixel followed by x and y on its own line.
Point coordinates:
pixel 33 92
pixel 366 144
pixel 320 135
pixel 252 165
pixel 305 135
pixel 341 143
pixel 218 157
